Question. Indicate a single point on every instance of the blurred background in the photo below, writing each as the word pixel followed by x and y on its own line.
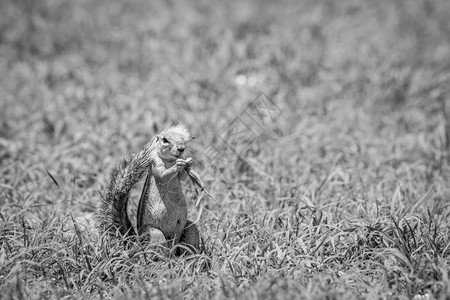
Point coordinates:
pixel 345 193
pixel 362 86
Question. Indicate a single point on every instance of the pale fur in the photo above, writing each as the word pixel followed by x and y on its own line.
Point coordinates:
pixel 178 129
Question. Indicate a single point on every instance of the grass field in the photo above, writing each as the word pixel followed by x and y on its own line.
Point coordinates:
pixel 343 194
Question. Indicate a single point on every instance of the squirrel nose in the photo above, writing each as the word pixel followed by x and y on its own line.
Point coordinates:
pixel 181 149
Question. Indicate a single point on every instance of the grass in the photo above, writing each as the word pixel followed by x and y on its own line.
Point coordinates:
pixel 344 195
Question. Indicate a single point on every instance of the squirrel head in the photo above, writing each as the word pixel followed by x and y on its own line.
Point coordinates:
pixel 171 142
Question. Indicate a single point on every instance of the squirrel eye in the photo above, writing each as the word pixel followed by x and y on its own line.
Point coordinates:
pixel 165 140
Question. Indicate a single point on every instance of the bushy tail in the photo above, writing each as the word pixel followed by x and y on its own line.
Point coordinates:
pixel 112 214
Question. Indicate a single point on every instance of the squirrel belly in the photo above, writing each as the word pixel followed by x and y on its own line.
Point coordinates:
pixel 167 208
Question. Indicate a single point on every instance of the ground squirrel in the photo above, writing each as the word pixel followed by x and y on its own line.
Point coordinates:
pixel 162 209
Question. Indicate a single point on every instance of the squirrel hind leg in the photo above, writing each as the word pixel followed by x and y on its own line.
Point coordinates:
pixel 189 240
pixel 152 236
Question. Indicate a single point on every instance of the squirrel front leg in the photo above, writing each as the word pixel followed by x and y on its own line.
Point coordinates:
pixel 166 175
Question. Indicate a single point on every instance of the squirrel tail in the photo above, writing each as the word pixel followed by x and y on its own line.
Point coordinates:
pixel 112 216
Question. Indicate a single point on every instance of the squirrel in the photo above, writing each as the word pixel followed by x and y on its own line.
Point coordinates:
pixel 162 208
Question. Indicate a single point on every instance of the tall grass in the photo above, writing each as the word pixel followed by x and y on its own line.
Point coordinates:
pixel 346 195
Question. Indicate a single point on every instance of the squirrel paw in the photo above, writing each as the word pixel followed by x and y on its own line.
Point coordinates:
pixel 183 163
